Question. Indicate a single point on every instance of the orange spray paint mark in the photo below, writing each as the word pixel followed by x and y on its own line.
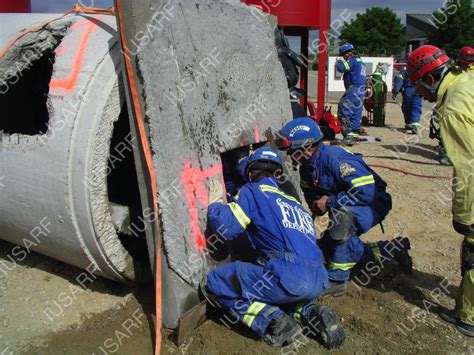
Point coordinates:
pixel 195 189
pixel 67 84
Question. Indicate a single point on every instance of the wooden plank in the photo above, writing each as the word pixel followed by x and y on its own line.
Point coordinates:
pixel 190 321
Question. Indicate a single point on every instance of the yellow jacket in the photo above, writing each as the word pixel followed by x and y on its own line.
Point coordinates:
pixel 456 119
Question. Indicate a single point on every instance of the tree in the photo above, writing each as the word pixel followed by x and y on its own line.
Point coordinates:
pixel 452 27
pixel 376 32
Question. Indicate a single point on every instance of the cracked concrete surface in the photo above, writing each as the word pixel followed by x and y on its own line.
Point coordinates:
pixel 213 82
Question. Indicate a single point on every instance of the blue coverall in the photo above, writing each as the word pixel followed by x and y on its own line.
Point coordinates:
pixel 352 103
pixel 412 104
pixel 351 185
pixel 290 272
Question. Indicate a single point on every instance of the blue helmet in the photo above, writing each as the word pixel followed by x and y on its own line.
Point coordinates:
pixel 264 158
pixel 299 133
pixel 346 47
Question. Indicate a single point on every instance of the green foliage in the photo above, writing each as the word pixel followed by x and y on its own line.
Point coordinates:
pixel 376 32
pixel 453 27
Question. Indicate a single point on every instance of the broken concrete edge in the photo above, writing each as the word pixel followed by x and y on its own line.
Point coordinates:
pixel 31 47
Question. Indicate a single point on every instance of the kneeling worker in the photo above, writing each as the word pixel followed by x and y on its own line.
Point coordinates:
pixel 340 183
pixel 271 295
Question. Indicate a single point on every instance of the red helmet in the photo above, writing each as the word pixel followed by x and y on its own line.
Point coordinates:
pixel 425 59
pixel 467 54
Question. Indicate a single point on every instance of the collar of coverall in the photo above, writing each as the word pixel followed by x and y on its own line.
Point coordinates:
pixel 448 79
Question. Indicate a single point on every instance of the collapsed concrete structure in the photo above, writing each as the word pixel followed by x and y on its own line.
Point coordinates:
pixel 72 185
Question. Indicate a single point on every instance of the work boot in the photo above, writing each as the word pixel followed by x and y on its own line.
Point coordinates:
pixel 464 328
pixel 401 255
pixel 282 330
pixel 349 140
pixel 324 325
pixel 443 157
pixel 336 289
pixel 413 129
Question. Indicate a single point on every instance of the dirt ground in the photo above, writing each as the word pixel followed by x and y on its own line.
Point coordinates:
pixel 393 313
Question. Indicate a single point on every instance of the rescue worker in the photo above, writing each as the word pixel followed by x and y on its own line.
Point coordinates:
pixel 272 295
pixel 452 89
pixel 411 103
pixel 340 183
pixel 351 104
pixel 467 58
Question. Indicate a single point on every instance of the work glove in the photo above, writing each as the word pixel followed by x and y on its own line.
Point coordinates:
pixel 320 206
pixel 216 192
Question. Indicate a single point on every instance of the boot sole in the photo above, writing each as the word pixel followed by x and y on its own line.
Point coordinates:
pixel 464 331
pixel 289 338
pixel 328 327
pixel 334 294
pixel 453 321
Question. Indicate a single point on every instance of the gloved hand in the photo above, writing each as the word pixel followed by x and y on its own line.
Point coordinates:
pixel 320 207
pixel 216 192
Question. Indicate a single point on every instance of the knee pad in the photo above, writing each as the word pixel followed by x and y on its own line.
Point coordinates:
pixel 341 225
pixel 467 256
pixel 464 229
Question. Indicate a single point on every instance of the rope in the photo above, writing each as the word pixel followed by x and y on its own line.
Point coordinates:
pixel 410 173
pixel 77 9
pixel 138 116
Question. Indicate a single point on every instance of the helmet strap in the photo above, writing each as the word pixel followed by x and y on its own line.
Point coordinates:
pixel 434 79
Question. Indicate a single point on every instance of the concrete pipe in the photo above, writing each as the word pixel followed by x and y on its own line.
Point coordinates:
pixel 62 104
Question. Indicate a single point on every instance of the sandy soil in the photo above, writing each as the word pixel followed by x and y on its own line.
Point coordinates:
pixel 393 313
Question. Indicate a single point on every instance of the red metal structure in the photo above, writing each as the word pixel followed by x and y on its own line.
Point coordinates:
pixel 298 17
pixel 15 6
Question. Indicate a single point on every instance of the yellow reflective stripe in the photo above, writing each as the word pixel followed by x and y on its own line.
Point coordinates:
pixel 363 180
pixel 239 214
pixel 254 309
pixel 400 76
pixel 297 315
pixel 376 251
pixel 341 266
pixel 268 188
pixel 359 59
pixel 364 183
pixel 346 65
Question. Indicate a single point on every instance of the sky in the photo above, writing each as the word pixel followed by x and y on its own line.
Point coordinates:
pixel 340 8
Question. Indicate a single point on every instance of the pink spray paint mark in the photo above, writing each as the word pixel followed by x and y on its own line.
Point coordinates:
pixel 256 131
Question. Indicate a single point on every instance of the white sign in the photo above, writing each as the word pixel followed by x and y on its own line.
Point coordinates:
pixel 335 82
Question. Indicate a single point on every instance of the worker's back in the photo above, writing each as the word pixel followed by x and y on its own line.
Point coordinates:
pixel 276 222
pixel 337 170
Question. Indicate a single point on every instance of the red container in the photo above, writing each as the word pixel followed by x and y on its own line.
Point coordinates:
pixel 15 6
pixel 292 13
